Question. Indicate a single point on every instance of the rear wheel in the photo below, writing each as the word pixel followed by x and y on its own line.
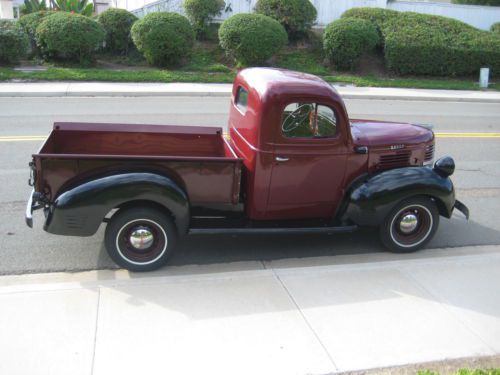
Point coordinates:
pixel 140 239
pixel 410 225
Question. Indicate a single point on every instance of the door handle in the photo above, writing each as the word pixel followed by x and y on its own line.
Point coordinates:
pixel 281 158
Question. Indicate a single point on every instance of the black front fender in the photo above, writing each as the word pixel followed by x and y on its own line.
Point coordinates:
pixel 80 210
pixel 371 199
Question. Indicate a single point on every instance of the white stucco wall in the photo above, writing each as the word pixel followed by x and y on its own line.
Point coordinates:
pixel 6 10
pixel 481 17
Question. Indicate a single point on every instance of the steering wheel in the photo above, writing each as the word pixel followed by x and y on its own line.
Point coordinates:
pixel 293 120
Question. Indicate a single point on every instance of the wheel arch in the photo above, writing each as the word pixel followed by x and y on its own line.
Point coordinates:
pixel 372 198
pixel 81 210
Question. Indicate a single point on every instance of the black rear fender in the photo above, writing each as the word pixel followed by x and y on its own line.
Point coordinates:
pixel 80 211
pixel 372 198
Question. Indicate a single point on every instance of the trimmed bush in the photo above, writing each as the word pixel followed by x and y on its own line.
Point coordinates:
pixel 251 38
pixel 423 44
pixel 495 28
pixel 164 38
pixel 201 12
pixel 377 16
pixel 69 36
pixel 30 22
pixel 347 39
pixel 13 42
pixel 296 16
pixel 117 24
pixel 477 2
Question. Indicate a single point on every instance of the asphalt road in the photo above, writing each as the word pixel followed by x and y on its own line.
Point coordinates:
pixel 23 250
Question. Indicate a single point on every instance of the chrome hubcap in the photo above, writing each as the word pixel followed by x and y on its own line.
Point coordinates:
pixel 408 223
pixel 141 238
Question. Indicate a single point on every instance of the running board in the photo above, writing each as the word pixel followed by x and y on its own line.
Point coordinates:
pixel 349 228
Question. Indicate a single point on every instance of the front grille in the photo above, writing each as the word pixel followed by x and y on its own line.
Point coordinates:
pixel 429 152
pixel 401 159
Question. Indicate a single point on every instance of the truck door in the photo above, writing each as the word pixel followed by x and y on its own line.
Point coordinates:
pixel 309 163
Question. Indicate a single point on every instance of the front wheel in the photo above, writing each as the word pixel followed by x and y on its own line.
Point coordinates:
pixel 140 239
pixel 410 225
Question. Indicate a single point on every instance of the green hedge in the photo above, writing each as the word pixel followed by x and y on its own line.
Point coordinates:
pixel 495 28
pixel 30 22
pixel 296 16
pixel 201 12
pixel 377 16
pixel 13 41
pixel 117 24
pixel 164 38
pixel 423 44
pixel 69 36
pixel 347 39
pixel 477 2
pixel 251 38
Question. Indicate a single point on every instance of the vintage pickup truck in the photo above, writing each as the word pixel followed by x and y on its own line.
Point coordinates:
pixel 293 161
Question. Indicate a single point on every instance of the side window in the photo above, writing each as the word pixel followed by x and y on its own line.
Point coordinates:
pixel 308 120
pixel 242 99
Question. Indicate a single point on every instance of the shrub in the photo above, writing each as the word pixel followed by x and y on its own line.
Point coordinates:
pixel 495 28
pixel 423 44
pixel 426 51
pixel 69 36
pixel 30 22
pixel 201 12
pixel 377 16
pixel 13 42
pixel 164 38
pixel 296 16
pixel 251 38
pixel 117 24
pixel 477 2
pixel 347 39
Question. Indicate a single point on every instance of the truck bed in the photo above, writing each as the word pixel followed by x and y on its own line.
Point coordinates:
pixel 199 158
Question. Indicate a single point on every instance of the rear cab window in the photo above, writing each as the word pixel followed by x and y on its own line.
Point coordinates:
pixel 242 99
pixel 308 120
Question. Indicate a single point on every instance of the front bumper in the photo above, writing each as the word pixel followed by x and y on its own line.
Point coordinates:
pixel 462 208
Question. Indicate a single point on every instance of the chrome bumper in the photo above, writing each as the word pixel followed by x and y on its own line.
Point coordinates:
pixel 36 201
pixel 29 210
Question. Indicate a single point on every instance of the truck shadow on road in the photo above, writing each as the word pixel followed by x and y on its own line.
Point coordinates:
pixel 206 249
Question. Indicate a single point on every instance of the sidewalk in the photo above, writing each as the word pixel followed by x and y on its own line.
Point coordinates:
pixel 48 89
pixel 292 316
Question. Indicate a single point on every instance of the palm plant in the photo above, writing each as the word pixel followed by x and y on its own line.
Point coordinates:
pixel 75 6
pixel 31 6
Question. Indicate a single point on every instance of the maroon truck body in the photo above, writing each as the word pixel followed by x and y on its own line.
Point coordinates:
pixel 193 156
pixel 291 154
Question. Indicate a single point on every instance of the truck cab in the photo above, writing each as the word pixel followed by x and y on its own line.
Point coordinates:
pixel 300 150
pixel 292 161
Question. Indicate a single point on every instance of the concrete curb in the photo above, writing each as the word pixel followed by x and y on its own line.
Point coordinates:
pixel 104 89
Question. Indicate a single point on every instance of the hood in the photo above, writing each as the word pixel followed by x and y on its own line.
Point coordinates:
pixel 378 133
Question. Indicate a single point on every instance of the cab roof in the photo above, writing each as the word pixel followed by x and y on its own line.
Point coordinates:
pixel 269 81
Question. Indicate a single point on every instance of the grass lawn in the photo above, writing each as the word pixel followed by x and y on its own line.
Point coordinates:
pixel 209 64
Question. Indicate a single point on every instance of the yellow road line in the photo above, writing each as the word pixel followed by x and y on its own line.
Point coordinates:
pixel 32 138
pixel 23 138
pixel 467 135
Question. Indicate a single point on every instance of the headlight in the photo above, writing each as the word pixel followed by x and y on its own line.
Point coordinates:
pixel 445 166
